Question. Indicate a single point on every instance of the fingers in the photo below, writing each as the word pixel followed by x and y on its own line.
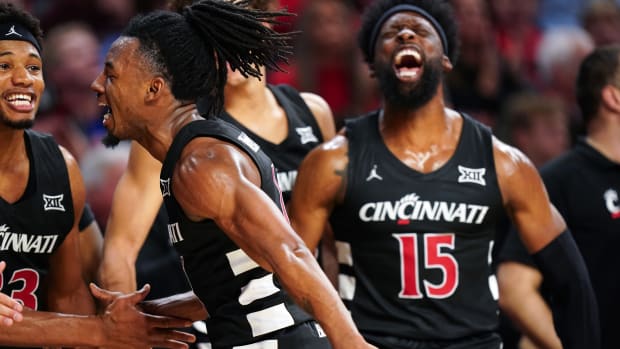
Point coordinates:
pixel 166 322
pixel 170 344
pixel 171 339
pixel 10 310
pixel 138 296
pixel 101 294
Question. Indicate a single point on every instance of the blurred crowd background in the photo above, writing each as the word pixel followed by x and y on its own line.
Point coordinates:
pixel 516 70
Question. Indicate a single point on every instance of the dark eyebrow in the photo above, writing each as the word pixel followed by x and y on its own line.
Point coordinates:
pixel 8 53
pixel 109 65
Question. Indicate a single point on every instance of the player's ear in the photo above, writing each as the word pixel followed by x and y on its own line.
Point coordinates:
pixel 154 89
pixel 446 63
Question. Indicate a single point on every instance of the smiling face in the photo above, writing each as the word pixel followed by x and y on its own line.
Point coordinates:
pixel 409 60
pixel 121 88
pixel 21 83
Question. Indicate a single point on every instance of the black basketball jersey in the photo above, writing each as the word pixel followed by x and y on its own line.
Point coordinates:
pixel 32 228
pixel 244 301
pixel 415 249
pixel 303 135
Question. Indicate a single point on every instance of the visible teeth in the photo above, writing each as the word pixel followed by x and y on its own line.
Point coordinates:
pixel 19 97
pixel 407 74
pixel 19 102
pixel 408 52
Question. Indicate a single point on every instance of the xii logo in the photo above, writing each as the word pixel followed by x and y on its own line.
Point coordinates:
pixel 472 175
pixel 53 202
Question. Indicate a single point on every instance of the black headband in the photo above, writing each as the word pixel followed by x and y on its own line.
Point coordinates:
pixel 16 31
pixel 400 8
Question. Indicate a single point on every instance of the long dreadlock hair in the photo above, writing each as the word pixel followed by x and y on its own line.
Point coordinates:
pixel 190 49
pixel 263 5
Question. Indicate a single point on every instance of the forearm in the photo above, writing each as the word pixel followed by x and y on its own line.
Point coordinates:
pixel 53 329
pixel 521 300
pixel 311 289
pixel 117 271
pixel 183 305
pixel 575 311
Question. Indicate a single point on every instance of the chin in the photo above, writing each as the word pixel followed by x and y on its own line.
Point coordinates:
pixel 110 140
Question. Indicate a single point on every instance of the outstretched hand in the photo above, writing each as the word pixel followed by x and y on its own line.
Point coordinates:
pixel 125 326
pixel 10 309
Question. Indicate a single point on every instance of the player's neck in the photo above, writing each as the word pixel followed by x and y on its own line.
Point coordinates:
pixel 606 139
pixel 424 125
pixel 256 108
pixel 13 146
pixel 159 135
pixel 247 100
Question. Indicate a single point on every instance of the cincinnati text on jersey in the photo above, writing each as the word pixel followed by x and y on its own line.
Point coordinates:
pixel 410 207
pixel 27 243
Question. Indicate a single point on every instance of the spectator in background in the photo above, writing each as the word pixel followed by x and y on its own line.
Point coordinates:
pixel 559 13
pixel 518 36
pixel 72 62
pixel 480 80
pixel 117 14
pixel 537 125
pixel 561 51
pixel 327 59
pixel 102 168
pixel 583 184
pixel 601 19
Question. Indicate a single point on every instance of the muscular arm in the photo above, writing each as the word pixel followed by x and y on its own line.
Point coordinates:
pixel 544 234
pixel 91 244
pixel 254 223
pixel 520 298
pixel 121 325
pixel 322 114
pixel 134 207
pixel 67 290
pixel 309 208
pixel 325 119
pixel 183 305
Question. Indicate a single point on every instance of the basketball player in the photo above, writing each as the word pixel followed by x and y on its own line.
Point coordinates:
pixel 413 192
pixel 41 200
pixel 286 125
pixel 219 188
pixel 584 184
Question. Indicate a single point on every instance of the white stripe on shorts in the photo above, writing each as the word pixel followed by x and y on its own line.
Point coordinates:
pixel 344 253
pixel 257 289
pixel 346 286
pixel 240 262
pixel 270 319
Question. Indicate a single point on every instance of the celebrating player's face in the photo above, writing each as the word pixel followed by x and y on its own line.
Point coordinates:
pixel 21 81
pixel 118 89
pixel 408 60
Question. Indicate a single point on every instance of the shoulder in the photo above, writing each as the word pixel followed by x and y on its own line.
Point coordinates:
pixel 70 160
pixel 209 175
pixel 212 162
pixel 322 113
pixel 514 169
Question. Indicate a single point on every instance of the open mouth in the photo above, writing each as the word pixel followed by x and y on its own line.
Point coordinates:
pixel 107 115
pixel 21 101
pixel 407 64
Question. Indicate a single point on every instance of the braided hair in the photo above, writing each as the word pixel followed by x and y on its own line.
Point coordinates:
pixel 191 48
